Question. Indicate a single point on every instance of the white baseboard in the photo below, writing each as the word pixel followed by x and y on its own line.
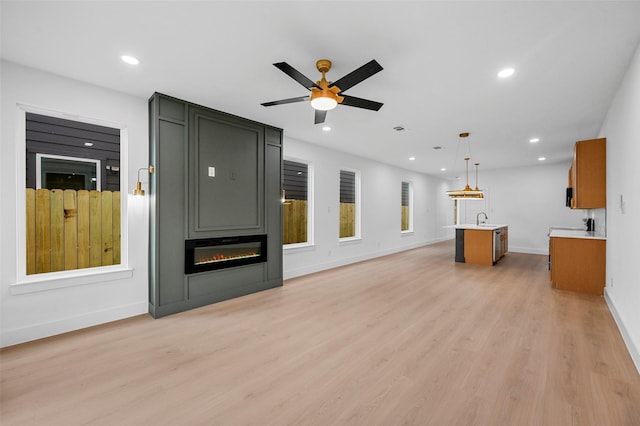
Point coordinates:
pixel 529 250
pixel 634 350
pixel 64 325
pixel 311 269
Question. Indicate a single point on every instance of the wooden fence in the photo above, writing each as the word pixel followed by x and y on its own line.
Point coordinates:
pixel 68 229
pixel 347 220
pixel 404 225
pixel 295 215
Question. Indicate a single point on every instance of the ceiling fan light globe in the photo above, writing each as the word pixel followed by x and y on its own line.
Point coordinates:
pixel 323 103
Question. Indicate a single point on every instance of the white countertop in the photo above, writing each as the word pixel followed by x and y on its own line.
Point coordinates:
pixel 569 233
pixel 482 226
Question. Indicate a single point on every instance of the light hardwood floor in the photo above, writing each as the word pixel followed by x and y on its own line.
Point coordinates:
pixel 411 338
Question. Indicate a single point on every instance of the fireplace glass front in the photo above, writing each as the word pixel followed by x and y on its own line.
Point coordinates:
pixel 216 253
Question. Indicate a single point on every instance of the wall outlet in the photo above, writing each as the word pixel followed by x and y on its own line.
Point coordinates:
pixel 611 282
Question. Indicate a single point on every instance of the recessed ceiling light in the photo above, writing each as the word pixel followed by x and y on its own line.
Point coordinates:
pixel 130 60
pixel 507 72
pixel 534 140
pixel 326 128
pixel 88 144
pixel 541 158
pixel 443 169
pixel 412 158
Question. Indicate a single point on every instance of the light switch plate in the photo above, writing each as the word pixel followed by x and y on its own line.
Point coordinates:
pixel 212 172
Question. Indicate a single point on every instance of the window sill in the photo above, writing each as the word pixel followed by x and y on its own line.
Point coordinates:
pixel 350 240
pixel 298 247
pixel 406 233
pixel 63 279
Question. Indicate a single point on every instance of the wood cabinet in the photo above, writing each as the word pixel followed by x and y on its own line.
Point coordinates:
pixel 578 264
pixel 587 175
pixel 479 245
pixel 504 242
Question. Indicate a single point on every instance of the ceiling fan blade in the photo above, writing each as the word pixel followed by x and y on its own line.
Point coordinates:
pixel 355 77
pixel 320 116
pixel 296 75
pixel 286 101
pixel 361 103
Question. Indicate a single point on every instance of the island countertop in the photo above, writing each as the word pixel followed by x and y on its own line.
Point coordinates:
pixel 482 226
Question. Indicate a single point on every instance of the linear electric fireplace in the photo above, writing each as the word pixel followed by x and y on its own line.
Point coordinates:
pixel 207 254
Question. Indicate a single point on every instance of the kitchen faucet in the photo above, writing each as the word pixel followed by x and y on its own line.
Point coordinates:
pixel 478 218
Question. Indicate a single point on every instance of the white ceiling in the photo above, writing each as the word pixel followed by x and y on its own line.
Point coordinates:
pixel 440 62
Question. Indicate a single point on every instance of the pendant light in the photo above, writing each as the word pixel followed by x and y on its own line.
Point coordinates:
pixel 467 192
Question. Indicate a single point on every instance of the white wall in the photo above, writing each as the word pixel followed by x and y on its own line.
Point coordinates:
pixel 621 128
pixel 380 198
pixel 38 314
pixel 529 200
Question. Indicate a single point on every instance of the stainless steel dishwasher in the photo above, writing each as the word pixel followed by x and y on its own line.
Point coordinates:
pixel 497 245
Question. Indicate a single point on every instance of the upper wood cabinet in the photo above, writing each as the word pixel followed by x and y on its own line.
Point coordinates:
pixel 587 175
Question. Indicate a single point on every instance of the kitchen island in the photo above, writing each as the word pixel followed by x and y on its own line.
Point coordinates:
pixel 482 244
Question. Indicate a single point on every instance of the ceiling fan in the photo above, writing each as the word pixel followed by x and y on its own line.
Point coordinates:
pixel 326 95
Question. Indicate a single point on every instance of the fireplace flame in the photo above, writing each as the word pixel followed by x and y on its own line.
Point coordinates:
pixel 220 257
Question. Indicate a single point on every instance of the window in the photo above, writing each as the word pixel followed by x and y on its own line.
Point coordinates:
pixel 406 204
pixel 349 204
pixel 60 172
pixel 297 223
pixel 72 200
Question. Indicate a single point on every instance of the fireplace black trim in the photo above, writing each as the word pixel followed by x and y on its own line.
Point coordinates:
pixel 190 247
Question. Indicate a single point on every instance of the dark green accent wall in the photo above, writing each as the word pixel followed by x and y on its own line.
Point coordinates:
pixel 185 202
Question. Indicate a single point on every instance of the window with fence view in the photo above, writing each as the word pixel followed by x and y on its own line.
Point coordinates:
pixel 348 204
pixel 405 204
pixel 72 195
pixel 295 208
